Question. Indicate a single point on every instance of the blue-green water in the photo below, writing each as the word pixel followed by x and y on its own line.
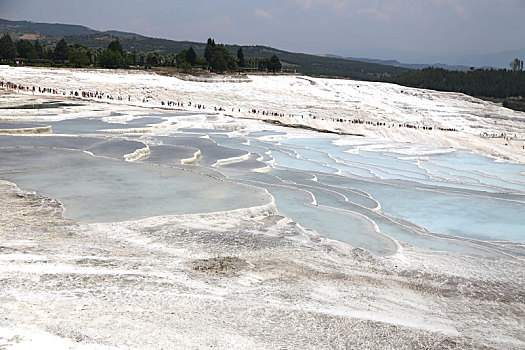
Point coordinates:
pixel 452 200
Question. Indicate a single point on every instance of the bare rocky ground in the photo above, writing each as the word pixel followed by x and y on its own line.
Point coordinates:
pixel 199 281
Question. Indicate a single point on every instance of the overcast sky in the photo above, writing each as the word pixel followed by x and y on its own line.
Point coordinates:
pixel 350 27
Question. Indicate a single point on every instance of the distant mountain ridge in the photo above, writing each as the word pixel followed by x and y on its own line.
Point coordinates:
pixel 495 60
pixel 396 63
pixel 499 59
pixel 50 34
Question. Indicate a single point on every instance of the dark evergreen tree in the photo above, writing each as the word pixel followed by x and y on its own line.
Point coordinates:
pixel 134 57
pixel 200 61
pixel 141 59
pixel 185 66
pixel 210 48
pixel 152 59
pixel 114 56
pixel 240 58
pixel 116 46
pixel 111 59
pixel 7 47
pixel 275 64
pixel 181 57
pixel 25 49
pixel 191 56
pixel 39 49
pixel 61 50
pixel 49 53
pixel 516 65
pixel 232 62
pixel 218 63
pixel 221 60
pixel 78 56
pixel 264 63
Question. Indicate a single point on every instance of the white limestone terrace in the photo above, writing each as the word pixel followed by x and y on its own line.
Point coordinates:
pixel 245 278
pixel 301 98
pixel 12 128
pixel 232 282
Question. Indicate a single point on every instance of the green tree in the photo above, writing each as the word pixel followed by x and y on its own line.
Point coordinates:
pixel 221 60
pixel 61 50
pixel 133 58
pixel 185 66
pixel 264 63
pixel 7 47
pixel 200 61
pixel 92 55
pixel 25 49
pixel 49 53
pixel 191 56
pixel 172 60
pixel 39 49
pixel 78 57
pixel 258 63
pixel 275 64
pixel 516 65
pixel 152 58
pixel 240 58
pixel 116 46
pixel 141 59
pixel 218 64
pixel 181 57
pixel 500 83
pixel 111 59
pixel 209 50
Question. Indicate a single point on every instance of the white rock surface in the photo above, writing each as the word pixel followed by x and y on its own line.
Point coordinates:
pixel 301 98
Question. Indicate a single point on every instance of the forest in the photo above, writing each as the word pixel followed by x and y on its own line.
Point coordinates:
pixel 257 56
pixel 506 86
pixel 216 57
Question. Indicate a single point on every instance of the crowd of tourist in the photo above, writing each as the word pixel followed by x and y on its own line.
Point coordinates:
pixel 101 95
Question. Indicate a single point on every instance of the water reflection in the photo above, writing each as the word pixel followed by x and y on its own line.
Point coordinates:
pixel 346 188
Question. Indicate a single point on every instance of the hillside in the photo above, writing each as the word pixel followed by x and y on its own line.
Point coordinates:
pixel 42 30
pixel 50 34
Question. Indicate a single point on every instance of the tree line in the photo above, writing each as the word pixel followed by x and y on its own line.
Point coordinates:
pixel 497 83
pixel 216 57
